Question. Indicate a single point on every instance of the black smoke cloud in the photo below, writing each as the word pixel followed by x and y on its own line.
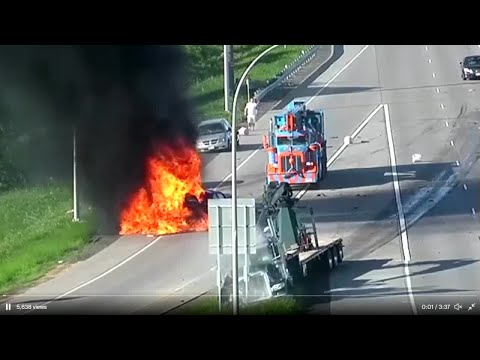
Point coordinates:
pixel 122 101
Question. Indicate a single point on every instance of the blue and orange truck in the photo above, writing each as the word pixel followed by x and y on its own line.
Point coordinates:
pixel 296 146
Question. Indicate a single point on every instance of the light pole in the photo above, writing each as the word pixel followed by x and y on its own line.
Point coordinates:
pixel 234 184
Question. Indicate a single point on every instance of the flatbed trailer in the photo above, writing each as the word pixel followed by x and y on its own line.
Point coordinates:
pixel 324 257
pixel 290 251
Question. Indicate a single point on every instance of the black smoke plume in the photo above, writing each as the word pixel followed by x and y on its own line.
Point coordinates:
pixel 122 101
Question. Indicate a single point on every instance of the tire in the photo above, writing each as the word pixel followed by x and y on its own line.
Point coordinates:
pixel 295 271
pixel 340 252
pixel 324 165
pixel 335 256
pixel 328 260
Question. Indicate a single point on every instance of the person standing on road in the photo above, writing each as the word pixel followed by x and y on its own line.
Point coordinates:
pixel 251 113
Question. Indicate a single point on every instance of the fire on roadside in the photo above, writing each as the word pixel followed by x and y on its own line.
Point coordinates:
pixel 159 207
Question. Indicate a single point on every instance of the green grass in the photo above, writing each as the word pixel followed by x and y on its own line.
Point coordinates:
pixel 35 233
pixel 207 73
pixel 277 306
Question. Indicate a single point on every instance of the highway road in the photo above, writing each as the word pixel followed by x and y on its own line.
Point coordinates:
pixel 411 240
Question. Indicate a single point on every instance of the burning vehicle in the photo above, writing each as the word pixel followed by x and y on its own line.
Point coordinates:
pixel 201 203
pixel 164 205
pixel 172 199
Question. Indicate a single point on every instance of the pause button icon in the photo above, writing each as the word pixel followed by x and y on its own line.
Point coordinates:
pixel 8 306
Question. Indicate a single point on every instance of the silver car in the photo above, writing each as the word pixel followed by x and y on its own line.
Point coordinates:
pixel 215 134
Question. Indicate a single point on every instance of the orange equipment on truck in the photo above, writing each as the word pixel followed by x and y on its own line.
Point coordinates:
pixel 296 146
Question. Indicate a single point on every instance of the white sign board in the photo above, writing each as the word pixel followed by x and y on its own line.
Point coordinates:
pixel 220 226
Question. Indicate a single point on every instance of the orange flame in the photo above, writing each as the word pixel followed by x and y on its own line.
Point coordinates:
pixel 159 207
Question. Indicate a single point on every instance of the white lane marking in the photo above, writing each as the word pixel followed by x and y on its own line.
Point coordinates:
pixel 437 90
pixel 446 123
pixel 442 106
pixel 465 187
pixel 338 74
pixel 365 122
pixel 473 211
pixel 429 61
pixel 452 143
pixel 426 48
pixel 104 273
pixel 238 167
pixel 408 281
pixel 344 146
pixel 192 281
pixel 396 185
pixel 401 215
pixel 433 74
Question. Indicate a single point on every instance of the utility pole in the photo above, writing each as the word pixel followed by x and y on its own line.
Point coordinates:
pixel 76 215
pixel 228 75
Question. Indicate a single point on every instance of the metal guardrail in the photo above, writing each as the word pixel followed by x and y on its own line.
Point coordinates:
pixel 290 70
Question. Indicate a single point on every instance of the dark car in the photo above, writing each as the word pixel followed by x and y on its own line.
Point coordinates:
pixel 470 67
pixel 202 204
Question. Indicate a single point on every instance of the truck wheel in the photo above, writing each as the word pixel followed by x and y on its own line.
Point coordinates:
pixel 340 252
pixel 295 271
pixel 328 260
pixel 324 165
pixel 305 270
pixel 335 256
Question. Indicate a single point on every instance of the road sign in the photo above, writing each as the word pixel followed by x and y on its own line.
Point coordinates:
pixel 220 226
pixel 220 235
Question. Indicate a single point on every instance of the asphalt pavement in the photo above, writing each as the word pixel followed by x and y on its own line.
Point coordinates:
pixel 412 242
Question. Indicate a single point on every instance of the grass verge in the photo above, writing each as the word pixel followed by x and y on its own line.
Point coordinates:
pixel 36 232
pixel 207 73
pixel 208 305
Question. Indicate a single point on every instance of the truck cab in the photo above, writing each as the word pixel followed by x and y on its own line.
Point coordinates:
pixel 296 146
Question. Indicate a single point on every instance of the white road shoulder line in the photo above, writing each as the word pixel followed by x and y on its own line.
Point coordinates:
pixel 104 273
pixel 401 215
pixel 396 186
pixel 337 74
pixel 224 180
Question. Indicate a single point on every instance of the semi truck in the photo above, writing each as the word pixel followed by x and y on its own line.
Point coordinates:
pixel 296 146
pixel 292 252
